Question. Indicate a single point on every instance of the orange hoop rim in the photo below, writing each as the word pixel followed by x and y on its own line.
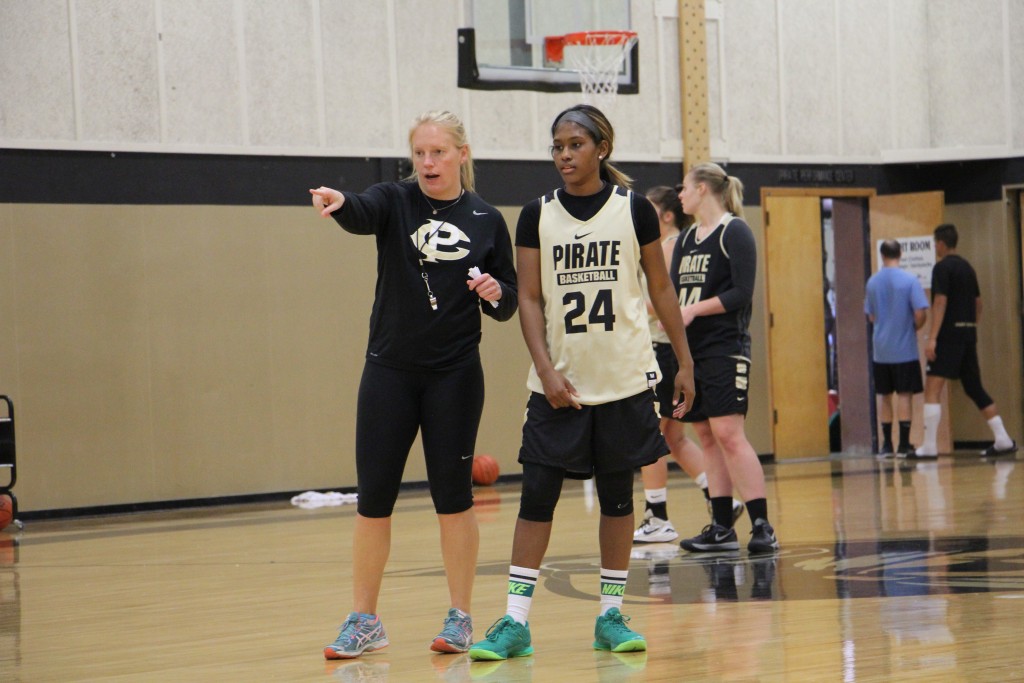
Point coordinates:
pixel 554 46
pixel 598 37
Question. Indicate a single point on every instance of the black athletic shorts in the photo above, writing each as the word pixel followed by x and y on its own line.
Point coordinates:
pixel 669 367
pixel 721 383
pixel 610 437
pixel 394 404
pixel 898 378
pixel 955 358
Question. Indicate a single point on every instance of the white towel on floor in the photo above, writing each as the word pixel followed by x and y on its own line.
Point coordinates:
pixel 315 499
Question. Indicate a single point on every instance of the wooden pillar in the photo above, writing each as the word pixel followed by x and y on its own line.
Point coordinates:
pixel 693 83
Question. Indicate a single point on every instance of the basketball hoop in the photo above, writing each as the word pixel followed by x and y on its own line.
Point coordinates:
pixel 597 56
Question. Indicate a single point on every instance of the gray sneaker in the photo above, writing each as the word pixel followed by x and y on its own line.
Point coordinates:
pixel 712 538
pixel 762 538
pixel 360 633
pixel 457 634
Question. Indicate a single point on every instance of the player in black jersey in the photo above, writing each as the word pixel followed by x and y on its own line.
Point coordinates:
pixel 656 526
pixel 580 250
pixel 952 346
pixel 422 370
pixel 713 271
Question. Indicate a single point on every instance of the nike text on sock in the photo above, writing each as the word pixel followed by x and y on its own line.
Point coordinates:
pixel 613 588
pixel 521 583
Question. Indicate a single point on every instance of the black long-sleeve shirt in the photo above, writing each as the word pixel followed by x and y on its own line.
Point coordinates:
pixel 723 264
pixel 405 332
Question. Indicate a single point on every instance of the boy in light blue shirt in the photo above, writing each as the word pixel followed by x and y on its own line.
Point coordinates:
pixel 895 303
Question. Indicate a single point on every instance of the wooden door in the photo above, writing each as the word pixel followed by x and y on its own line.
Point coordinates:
pixel 912 215
pixel 796 326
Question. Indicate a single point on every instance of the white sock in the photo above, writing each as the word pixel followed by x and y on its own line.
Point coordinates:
pixel 1003 439
pixel 521 583
pixel 932 416
pixel 613 588
pixel 656 495
pixel 702 480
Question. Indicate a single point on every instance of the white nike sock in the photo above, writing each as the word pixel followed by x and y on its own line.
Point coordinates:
pixel 1003 439
pixel 932 416
pixel 656 495
pixel 613 588
pixel 702 480
pixel 521 583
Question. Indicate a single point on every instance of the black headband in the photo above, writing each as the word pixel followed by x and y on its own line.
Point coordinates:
pixel 577 116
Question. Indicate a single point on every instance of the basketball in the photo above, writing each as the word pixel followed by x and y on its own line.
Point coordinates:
pixel 7 507
pixel 485 470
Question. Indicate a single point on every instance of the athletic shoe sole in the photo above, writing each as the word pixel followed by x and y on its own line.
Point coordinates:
pixel 443 646
pixel 330 653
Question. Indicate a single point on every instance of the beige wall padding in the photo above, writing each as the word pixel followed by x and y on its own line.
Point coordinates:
pixel 170 352
pixel 160 353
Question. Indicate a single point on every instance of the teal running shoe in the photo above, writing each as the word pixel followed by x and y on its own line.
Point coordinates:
pixel 505 638
pixel 611 633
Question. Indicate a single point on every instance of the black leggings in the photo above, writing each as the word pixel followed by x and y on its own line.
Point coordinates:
pixel 542 486
pixel 393 405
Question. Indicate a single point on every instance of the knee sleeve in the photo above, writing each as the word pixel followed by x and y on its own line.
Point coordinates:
pixel 542 486
pixel 615 493
pixel 976 392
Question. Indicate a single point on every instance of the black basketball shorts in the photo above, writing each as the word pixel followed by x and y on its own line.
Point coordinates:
pixel 669 367
pixel 595 439
pixel 722 385
pixel 899 378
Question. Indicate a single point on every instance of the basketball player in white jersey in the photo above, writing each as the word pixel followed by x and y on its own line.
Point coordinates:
pixel 580 250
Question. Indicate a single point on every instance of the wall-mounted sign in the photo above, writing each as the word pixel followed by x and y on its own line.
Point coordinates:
pixel 917 258
pixel 817 176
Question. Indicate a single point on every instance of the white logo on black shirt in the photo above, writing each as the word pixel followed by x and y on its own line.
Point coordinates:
pixel 438 241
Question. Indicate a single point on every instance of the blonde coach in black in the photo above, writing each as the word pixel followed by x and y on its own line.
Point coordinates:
pixel 423 370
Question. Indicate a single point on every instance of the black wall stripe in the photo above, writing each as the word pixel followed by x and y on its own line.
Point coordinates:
pixel 73 177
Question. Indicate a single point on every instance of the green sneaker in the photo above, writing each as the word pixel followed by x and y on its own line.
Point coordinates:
pixel 611 633
pixel 505 638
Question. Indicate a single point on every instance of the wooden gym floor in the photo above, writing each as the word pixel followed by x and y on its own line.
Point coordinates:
pixel 888 571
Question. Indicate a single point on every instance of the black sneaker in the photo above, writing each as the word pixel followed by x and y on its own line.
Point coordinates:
pixel 712 538
pixel 762 538
pixel 992 450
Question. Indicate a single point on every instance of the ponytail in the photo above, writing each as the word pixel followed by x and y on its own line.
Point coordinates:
pixel 728 188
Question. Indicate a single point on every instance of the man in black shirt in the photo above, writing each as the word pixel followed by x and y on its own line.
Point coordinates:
pixel 952 342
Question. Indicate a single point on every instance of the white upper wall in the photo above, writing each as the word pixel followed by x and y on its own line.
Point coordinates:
pixel 789 80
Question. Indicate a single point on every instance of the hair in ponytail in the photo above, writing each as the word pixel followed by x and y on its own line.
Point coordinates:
pixel 667 199
pixel 599 128
pixel 728 188
pixel 451 123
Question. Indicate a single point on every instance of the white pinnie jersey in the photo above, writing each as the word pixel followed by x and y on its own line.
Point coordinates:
pixel 597 328
pixel 658 333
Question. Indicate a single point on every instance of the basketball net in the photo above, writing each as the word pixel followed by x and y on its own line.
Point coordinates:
pixel 598 57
